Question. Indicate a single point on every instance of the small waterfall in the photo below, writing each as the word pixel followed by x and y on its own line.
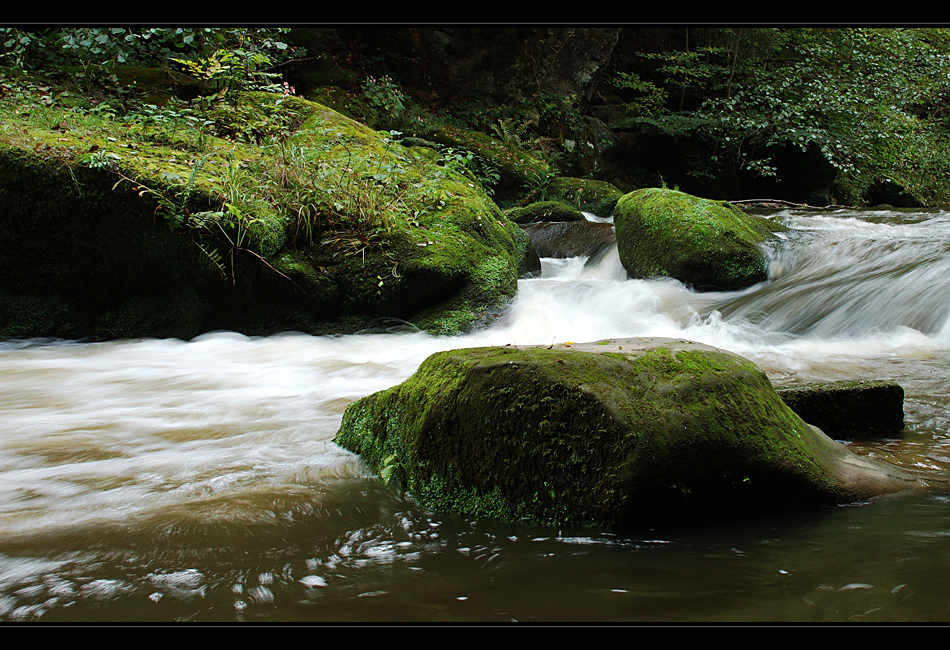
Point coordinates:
pixel 841 276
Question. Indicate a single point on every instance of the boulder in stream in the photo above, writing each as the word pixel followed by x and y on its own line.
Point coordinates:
pixel 849 410
pixel 571 238
pixel 708 245
pixel 543 211
pixel 619 433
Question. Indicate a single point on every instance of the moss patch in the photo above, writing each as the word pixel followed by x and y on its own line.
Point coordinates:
pixel 586 194
pixel 544 211
pixel 705 244
pixel 518 169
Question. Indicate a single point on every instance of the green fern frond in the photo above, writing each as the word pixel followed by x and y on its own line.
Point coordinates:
pixel 212 257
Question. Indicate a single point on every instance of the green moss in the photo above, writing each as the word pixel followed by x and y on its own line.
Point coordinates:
pixel 706 244
pixel 587 194
pixel 243 225
pixel 517 167
pixel 338 99
pixel 442 496
pixel 544 211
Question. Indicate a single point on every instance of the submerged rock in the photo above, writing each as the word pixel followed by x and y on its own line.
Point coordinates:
pixel 621 432
pixel 849 409
pixel 708 245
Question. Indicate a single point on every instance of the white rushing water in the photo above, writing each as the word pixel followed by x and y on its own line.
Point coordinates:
pixel 109 432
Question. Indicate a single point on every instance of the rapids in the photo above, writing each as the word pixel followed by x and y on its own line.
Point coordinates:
pixel 168 480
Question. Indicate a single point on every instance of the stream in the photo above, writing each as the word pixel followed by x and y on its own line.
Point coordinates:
pixel 168 481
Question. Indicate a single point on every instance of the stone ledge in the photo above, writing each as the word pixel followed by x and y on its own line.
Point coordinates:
pixel 847 410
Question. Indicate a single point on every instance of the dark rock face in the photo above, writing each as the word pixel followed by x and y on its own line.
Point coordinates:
pixel 849 409
pixel 503 64
pixel 621 432
pixel 889 192
pixel 804 177
pixel 571 238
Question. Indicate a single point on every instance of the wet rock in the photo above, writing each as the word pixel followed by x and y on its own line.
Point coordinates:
pixel 529 265
pixel 848 410
pixel 571 238
pixel 621 433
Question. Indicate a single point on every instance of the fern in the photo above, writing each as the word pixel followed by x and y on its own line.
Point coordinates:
pixel 510 134
pixel 212 257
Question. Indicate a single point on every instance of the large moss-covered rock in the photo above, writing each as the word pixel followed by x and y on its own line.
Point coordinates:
pixel 338 230
pixel 81 258
pixel 516 167
pixel 619 432
pixel 708 245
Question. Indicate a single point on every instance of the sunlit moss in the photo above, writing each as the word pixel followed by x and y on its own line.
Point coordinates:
pixel 705 244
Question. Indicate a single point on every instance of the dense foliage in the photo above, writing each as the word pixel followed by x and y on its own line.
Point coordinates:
pixel 873 101
pixel 48 48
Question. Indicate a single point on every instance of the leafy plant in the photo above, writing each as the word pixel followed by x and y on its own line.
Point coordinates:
pixel 509 133
pixel 647 98
pixel 862 98
pixel 211 229
pixel 144 46
pixel 226 71
pixel 102 159
pixel 384 96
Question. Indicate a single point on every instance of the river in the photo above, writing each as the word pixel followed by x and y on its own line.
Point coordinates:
pixel 197 481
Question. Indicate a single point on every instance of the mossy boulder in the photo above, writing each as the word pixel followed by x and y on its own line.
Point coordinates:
pixel 517 168
pixel 113 230
pixel 81 258
pixel 544 211
pixel 586 194
pixel 708 245
pixel 619 433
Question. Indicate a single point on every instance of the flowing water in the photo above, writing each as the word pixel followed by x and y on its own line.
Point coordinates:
pixel 164 480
